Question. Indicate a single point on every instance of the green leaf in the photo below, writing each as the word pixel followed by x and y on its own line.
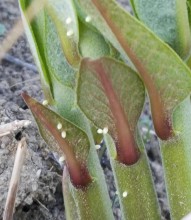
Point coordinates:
pixel 169 20
pixel 162 71
pixel 82 16
pixel 65 19
pixel 94 102
pixel 86 21
pixel 107 95
pixel 92 44
pixel 36 45
pixel 56 60
pixel 47 120
pixel 65 138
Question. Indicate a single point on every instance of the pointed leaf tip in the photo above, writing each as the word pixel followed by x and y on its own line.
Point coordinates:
pixel 126 146
pixel 75 146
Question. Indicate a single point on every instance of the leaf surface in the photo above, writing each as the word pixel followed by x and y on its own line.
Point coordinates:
pixel 56 59
pixel 162 71
pixel 92 44
pixel 47 121
pixel 107 95
pixel 64 138
pixel 169 20
pixel 36 44
pixel 66 22
pixel 94 102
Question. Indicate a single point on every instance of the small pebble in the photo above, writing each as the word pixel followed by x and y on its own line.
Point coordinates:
pixel 38 173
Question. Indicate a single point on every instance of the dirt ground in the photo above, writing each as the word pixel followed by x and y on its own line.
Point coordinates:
pixel 40 194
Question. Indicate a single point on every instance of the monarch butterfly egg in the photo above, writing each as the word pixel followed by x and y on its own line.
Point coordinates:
pixel 45 102
pixel 88 19
pixel 70 33
pixel 97 147
pixel 100 131
pixel 105 130
pixel 68 20
pixel 125 194
pixel 59 126
pixel 63 134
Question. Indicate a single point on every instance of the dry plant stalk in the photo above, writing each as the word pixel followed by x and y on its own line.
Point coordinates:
pixel 19 159
pixel 13 126
pixel 18 29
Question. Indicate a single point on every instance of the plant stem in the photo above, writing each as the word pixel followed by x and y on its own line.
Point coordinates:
pixel 134 184
pixel 177 163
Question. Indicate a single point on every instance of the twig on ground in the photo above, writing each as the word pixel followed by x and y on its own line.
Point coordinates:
pixel 13 126
pixel 25 81
pixel 19 159
pixel 43 206
pixel 19 62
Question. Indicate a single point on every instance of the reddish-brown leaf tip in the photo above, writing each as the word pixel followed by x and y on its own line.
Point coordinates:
pixel 78 171
pixel 127 151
